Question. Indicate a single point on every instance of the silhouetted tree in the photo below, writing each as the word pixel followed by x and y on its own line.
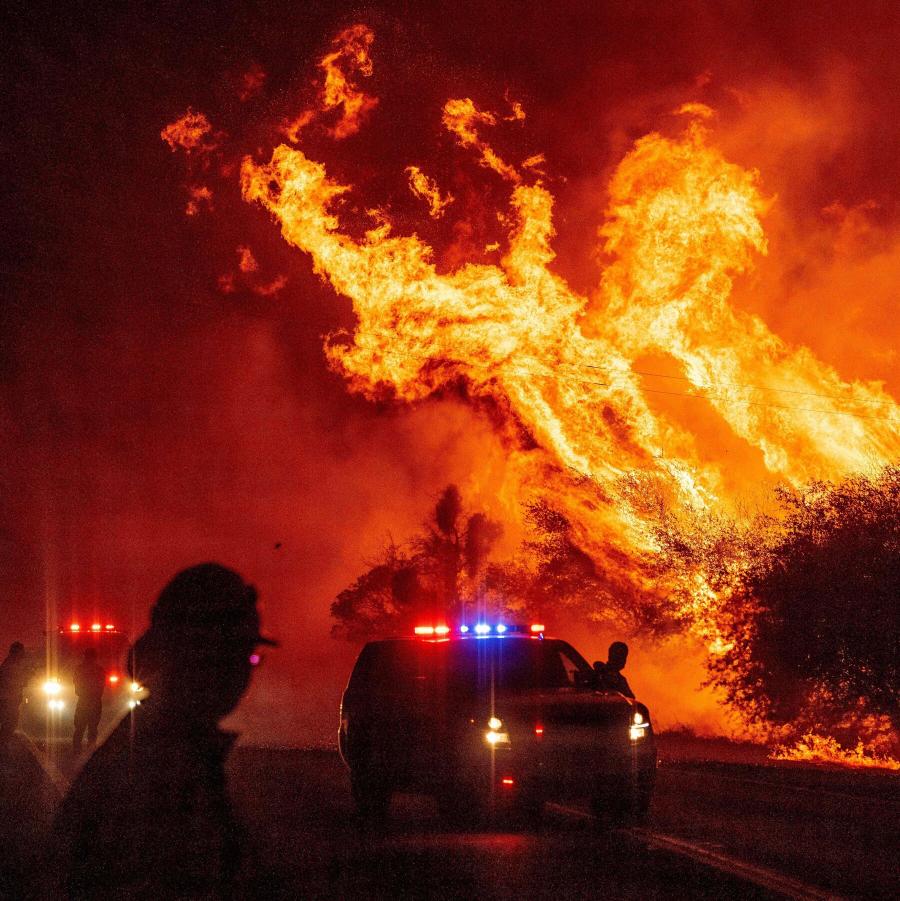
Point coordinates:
pixel 432 578
pixel 814 623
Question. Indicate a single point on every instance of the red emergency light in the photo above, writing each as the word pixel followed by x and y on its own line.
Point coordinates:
pixel 74 627
pixel 432 630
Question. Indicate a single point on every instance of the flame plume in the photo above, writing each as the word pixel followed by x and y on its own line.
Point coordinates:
pixel 682 223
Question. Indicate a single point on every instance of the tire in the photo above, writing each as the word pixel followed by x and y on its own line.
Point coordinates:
pixel 371 795
pixel 620 811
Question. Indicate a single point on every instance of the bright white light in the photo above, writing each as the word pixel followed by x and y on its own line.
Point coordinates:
pixel 52 687
pixel 638 719
pixel 132 704
pixel 441 630
pixel 463 629
pixel 135 686
pixel 500 628
pixel 497 738
pixel 482 629
pixel 638 732
pixel 494 723
pixel 56 704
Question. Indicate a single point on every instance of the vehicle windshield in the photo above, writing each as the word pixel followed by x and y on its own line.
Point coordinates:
pixel 463 669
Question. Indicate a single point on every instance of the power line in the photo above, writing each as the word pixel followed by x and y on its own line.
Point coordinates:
pixel 684 378
pixel 751 403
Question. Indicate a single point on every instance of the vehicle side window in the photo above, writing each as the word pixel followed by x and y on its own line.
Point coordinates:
pixel 570 666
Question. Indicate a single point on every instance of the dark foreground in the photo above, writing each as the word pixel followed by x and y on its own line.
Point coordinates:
pixel 717 831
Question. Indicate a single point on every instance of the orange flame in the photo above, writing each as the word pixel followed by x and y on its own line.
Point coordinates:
pixel 426 188
pixel 461 117
pixel 200 196
pixel 351 58
pixel 824 749
pixel 191 133
pixel 682 223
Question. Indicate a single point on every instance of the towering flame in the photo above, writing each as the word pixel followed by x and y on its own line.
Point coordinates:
pixel 682 223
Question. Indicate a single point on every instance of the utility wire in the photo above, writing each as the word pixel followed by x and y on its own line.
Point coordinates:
pixel 684 378
pixel 751 403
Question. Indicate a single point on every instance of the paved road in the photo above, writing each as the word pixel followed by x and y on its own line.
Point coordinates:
pixel 716 831
pixel 299 807
pixel 832 834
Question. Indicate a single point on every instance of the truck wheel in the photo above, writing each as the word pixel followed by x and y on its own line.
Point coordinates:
pixel 616 811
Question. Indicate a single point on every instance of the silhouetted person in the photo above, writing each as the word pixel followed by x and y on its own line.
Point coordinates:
pixel 90 678
pixel 13 677
pixel 609 674
pixel 149 815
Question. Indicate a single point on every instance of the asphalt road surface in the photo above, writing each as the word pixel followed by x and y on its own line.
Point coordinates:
pixel 716 831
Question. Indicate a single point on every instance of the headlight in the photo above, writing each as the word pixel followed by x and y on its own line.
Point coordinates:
pixel 52 687
pixel 56 704
pixel 135 687
pixel 638 727
pixel 494 736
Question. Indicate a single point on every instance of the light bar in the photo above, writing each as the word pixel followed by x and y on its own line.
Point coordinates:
pixel 96 627
pixel 441 630
pixel 537 627
pixel 74 627
pixel 110 627
pixel 482 629
pixel 500 628
pixel 424 630
pixel 463 629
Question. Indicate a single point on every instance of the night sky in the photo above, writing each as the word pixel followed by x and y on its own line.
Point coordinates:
pixel 150 419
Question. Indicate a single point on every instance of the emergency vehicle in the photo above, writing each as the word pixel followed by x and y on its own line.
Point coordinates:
pixel 489 716
pixel 50 694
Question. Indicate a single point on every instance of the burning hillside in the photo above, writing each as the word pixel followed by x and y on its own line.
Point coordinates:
pixel 585 387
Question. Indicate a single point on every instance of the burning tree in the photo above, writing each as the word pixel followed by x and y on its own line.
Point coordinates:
pixel 807 620
pixel 447 572
pixel 814 624
pixel 434 576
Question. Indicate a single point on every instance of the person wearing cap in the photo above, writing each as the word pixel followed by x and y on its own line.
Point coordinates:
pixel 13 676
pixel 149 815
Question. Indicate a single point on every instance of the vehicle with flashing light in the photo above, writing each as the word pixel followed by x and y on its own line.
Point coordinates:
pixel 490 716
pixel 50 698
